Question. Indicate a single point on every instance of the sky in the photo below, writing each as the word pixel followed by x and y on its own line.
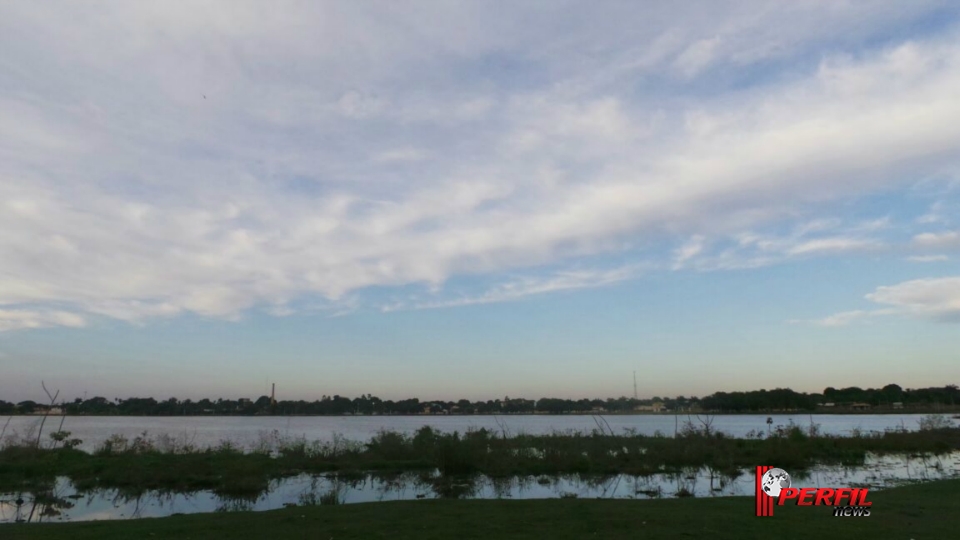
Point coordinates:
pixel 475 200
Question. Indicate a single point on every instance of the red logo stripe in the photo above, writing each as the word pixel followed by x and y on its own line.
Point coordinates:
pixel 759 501
pixel 764 503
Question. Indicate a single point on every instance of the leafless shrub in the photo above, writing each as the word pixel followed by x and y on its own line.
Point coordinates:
pixel 53 401
pixel 935 421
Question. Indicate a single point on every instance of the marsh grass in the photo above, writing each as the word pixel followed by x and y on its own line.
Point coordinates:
pixel 176 464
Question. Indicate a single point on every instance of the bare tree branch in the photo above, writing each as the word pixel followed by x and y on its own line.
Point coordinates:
pixel 53 400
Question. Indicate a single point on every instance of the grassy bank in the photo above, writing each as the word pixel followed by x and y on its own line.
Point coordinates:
pixel 143 463
pixel 927 511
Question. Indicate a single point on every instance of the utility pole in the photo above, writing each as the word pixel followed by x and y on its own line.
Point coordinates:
pixel 634 384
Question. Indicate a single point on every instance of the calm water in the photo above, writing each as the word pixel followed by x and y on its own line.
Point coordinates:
pixel 65 503
pixel 248 430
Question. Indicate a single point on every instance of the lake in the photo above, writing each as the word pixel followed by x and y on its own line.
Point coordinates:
pixel 202 431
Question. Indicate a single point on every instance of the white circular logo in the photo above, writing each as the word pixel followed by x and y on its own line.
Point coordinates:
pixel 773 481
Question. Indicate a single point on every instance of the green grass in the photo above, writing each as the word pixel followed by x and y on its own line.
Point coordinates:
pixel 140 464
pixel 926 511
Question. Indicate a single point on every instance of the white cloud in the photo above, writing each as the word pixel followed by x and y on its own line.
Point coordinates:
pixel 935 215
pixel 838 244
pixel 697 56
pixel 938 240
pixel 244 156
pixel 815 238
pixel 816 226
pixel 401 154
pixel 930 298
pixel 845 318
pixel 354 104
pixel 18 319
pixel 520 288
pixel 874 225
pixel 687 251
pixel 928 258
pixel 934 298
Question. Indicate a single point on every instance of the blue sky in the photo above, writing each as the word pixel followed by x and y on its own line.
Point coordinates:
pixel 477 199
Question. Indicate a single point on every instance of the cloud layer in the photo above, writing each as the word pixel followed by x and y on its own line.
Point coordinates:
pixel 156 161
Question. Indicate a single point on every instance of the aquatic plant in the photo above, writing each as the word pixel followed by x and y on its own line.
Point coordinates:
pixel 147 462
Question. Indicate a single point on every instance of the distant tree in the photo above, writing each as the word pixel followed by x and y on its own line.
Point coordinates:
pixel 778 399
pixel 27 407
pixel 262 403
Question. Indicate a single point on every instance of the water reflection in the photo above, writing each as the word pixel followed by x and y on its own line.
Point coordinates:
pixel 62 501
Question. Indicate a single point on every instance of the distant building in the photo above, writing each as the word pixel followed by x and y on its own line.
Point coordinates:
pixel 52 411
pixel 897 404
pixel 656 406
pixel 859 406
pixel 433 408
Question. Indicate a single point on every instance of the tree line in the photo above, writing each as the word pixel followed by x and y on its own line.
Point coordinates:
pixel 779 399
pixel 890 396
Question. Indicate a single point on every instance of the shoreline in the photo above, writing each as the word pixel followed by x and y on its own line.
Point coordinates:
pixel 917 511
pixel 952 412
